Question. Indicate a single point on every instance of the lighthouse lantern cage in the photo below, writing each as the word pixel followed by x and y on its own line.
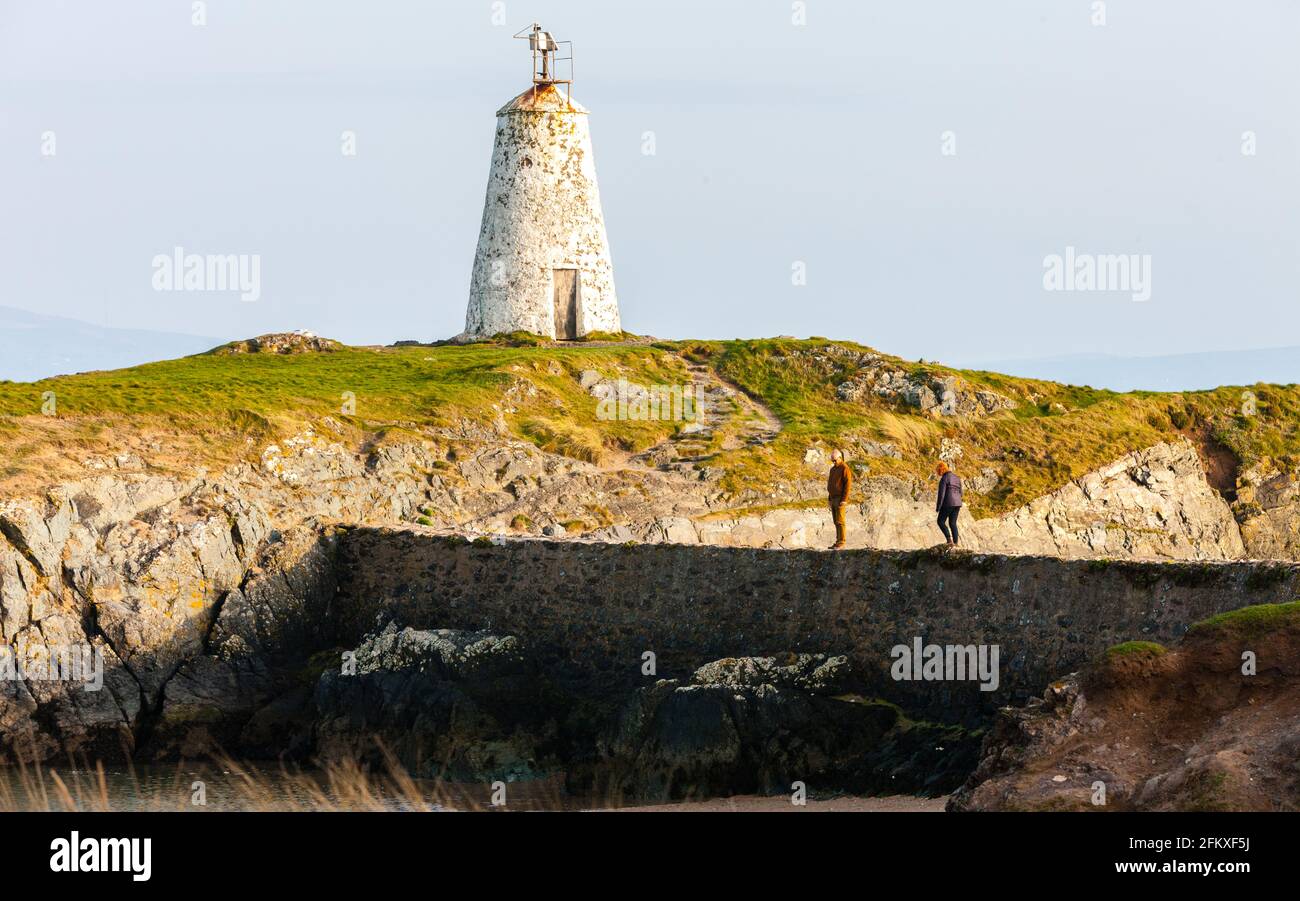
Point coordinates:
pixel 548 63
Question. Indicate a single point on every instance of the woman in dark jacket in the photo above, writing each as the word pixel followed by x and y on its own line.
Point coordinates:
pixel 948 503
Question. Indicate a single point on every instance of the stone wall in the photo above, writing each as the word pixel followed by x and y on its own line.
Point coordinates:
pixel 593 610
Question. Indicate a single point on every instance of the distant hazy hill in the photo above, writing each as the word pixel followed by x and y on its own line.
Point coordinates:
pixel 1178 372
pixel 34 347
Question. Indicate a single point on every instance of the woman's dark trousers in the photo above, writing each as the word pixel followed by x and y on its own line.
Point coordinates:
pixel 948 522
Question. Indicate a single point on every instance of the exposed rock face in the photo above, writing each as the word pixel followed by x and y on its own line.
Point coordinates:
pixel 137 576
pixel 1177 730
pixel 1269 511
pixel 216 606
pixel 254 656
pixel 142 566
pixel 282 343
pixel 814 673
pixel 205 594
pixel 1154 503
pixel 194 590
pixel 928 392
pixel 761 725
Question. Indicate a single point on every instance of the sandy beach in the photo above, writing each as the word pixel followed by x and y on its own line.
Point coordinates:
pixel 780 803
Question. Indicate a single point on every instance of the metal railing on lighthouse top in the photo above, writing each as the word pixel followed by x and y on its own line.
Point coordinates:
pixel 548 63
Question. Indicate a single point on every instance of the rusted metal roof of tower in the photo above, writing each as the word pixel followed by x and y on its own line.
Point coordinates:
pixel 542 98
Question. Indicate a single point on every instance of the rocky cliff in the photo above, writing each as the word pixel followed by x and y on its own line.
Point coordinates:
pixel 1154 503
pixel 226 571
pixel 1268 507
pixel 221 606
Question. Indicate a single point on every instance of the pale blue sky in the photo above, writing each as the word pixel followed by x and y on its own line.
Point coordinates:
pixel 775 143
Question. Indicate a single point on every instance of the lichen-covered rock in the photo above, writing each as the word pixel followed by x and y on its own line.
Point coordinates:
pixel 255 651
pixel 155 585
pixel 1152 503
pixel 813 673
pixel 927 392
pixel 300 342
pixel 744 725
pixel 1268 508
pixel 467 705
pixel 88 717
pixel 280 612
pixel 38 534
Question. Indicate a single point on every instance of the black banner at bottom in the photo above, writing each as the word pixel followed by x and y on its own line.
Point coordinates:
pixel 339 850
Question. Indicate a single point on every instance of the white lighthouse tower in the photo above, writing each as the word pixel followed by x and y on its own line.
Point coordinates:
pixel 542 263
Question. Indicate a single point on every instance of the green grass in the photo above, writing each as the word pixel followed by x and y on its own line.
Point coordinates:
pixel 608 336
pixel 1136 648
pixel 215 407
pixel 1251 622
pixel 212 409
pixel 1206 793
pixel 393 383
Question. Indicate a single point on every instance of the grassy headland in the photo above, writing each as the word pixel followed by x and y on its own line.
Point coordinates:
pixel 222 406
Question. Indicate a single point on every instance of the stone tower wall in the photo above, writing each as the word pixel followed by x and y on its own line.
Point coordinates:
pixel 542 212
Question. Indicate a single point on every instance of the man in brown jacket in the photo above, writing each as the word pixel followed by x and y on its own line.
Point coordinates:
pixel 838 484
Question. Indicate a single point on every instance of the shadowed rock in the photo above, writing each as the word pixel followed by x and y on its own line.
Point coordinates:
pixel 744 725
pixel 467 705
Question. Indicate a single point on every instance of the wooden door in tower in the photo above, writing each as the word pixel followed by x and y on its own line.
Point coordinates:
pixel 565 282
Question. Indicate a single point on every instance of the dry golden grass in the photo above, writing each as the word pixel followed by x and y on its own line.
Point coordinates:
pixel 337 787
pixel 910 434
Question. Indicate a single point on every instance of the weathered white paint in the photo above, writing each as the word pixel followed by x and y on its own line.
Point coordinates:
pixel 542 212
